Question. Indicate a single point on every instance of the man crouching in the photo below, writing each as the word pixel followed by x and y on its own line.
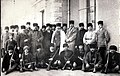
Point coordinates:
pixel 92 60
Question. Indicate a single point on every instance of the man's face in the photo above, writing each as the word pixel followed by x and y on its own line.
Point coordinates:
pixel 26 51
pixel 35 28
pixel 10 36
pixel 52 49
pixel 48 28
pixel 53 28
pixel 12 30
pixel 10 52
pixel 92 49
pixel 16 29
pixel 58 28
pixel 112 51
pixel 80 47
pixel 27 25
pixel 43 29
pixel 39 49
pixel 89 28
pixel 64 27
pixel 100 26
pixel 6 30
pixel 65 48
pixel 81 27
pixel 71 25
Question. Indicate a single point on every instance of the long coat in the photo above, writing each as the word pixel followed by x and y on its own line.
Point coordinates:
pixel 21 39
pixel 37 38
pixel 47 40
pixel 79 37
pixel 58 39
pixel 71 36
pixel 103 38
pixel 16 37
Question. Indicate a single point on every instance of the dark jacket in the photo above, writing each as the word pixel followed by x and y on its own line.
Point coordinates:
pixel 8 43
pixel 114 59
pixel 79 37
pixel 66 55
pixel 93 58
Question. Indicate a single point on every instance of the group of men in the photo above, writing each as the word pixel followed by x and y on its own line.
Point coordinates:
pixel 58 47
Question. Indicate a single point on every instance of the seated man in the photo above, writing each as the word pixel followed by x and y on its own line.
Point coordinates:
pixel 39 57
pixel 53 58
pixel 112 61
pixel 65 58
pixel 78 57
pixel 10 61
pixel 27 60
pixel 92 60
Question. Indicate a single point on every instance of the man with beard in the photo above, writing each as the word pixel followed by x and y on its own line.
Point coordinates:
pixel 71 36
pixel 37 37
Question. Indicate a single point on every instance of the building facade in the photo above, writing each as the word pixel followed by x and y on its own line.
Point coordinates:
pixel 54 11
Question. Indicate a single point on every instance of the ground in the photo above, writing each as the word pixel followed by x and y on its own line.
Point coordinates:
pixel 43 72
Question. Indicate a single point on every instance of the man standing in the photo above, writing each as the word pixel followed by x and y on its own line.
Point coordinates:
pixel 5 37
pixel 58 37
pixel 103 39
pixel 89 38
pixel 16 34
pixel 80 35
pixel 71 36
pixel 28 27
pixel 64 27
pixel 37 37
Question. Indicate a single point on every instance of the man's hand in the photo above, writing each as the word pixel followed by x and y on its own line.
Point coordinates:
pixel 25 40
pixel 75 46
pixel 96 65
pixel 51 59
pixel 29 66
pixel 87 65
pixel 21 60
pixel 12 60
pixel 18 48
pixel 59 62
pixel 20 55
pixel 68 62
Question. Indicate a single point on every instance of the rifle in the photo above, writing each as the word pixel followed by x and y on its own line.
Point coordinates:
pixel 48 68
pixel 66 62
pixel 106 67
pixel 21 64
pixel 12 58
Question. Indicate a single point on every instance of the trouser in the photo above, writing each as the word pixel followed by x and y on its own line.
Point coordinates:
pixel 102 51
